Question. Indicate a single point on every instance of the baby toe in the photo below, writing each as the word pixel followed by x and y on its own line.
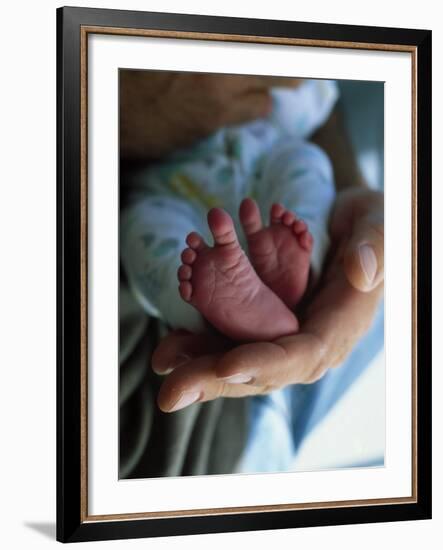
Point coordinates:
pixel 288 218
pixel 185 290
pixel 250 218
pixel 306 241
pixel 276 213
pixel 222 227
pixel 195 241
pixel 188 256
pixel 299 227
pixel 184 272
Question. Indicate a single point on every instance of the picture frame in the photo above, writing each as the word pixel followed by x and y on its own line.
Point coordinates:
pixel 74 213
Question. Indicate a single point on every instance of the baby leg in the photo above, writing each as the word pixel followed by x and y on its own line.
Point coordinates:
pixel 152 235
pixel 297 175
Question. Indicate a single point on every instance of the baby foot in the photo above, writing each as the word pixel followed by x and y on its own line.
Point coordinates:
pixel 220 282
pixel 279 253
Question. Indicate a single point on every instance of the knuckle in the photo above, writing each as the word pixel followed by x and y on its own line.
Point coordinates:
pixel 316 375
pixel 222 390
pixel 269 388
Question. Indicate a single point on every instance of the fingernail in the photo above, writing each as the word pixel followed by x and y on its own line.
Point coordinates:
pixel 180 359
pixel 368 262
pixel 163 372
pixel 185 399
pixel 237 379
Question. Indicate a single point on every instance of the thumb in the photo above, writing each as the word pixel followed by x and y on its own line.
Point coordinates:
pixel 364 255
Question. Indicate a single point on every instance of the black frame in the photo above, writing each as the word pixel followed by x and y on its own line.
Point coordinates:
pixel 70 528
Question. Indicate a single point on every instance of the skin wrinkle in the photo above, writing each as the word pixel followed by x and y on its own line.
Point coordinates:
pixel 222 236
pixel 213 287
pixel 222 389
pixel 278 347
pixel 262 258
pixel 269 388
pixel 319 345
pixel 234 277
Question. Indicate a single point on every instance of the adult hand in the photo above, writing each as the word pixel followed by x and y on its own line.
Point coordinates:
pixel 202 368
pixel 161 111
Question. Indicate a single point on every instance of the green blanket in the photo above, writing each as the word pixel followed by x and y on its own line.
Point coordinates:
pixel 204 438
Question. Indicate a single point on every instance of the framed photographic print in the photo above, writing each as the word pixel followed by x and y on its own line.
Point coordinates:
pixel 234 351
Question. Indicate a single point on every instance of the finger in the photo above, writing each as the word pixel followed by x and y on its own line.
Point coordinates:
pixel 180 346
pixel 263 82
pixel 364 255
pixel 247 107
pixel 286 82
pixel 239 84
pixel 196 382
pixel 272 365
